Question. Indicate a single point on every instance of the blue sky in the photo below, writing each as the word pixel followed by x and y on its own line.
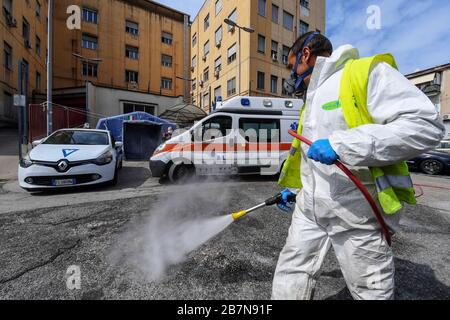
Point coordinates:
pixel 416 32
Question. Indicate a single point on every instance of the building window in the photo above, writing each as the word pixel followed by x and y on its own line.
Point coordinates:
pixel 166 61
pixel 274 51
pixel 217 93
pixel 90 70
pixel 38 46
pixel 232 17
pixel 135 107
pixel 7 52
pixel 131 76
pixel 232 53
pixel 275 13
pixel 194 84
pixel 38 81
pixel 132 52
pixel 26 30
pixel 89 42
pixel 206 49
pixel 206 100
pixel 304 3
pixel 219 36
pixel 274 84
pixel 206 75
pixel 304 28
pixel 194 40
pixel 194 62
pixel 206 23
pixel 261 44
pixel 288 21
pixel 262 7
pixel 38 9
pixel 286 50
pixel 132 28
pixel 283 91
pixel 90 15
pixel 166 84
pixel 7 6
pixel 261 79
pixel 231 87
pixel 218 64
pixel 167 38
pixel 218 6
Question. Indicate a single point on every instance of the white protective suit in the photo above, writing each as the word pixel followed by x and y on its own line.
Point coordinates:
pixel 330 210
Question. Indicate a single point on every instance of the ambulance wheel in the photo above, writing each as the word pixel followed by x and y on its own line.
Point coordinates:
pixel 180 173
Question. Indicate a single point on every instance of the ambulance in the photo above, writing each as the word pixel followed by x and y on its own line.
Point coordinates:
pixel 243 136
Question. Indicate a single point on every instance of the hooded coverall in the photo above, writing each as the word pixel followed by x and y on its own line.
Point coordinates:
pixel 330 210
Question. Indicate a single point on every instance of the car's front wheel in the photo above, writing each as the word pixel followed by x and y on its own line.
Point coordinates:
pixel 115 180
pixel 432 167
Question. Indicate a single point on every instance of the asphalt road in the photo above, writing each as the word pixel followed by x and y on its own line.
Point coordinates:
pixel 42 235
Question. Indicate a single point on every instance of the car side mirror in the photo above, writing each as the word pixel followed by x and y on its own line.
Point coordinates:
pixel 37 142
pixel 118 145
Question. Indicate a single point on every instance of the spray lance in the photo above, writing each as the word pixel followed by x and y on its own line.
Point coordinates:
pixel 278 198
pixel 269 202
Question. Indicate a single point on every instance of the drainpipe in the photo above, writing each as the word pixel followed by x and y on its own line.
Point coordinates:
pixel 186 58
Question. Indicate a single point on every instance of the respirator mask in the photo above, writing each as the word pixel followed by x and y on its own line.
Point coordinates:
pixel 296 85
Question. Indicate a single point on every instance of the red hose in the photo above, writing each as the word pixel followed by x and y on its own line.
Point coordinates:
pixel 360 186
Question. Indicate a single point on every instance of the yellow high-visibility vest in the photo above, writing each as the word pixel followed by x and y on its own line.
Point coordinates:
pixel 394 183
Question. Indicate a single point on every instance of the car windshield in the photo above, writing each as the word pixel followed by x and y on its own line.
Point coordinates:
pixel 88 138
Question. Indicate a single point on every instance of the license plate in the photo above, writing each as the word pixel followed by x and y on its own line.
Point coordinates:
pixel 64 182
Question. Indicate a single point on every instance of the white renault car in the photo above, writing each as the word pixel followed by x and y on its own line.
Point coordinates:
pixel 71 157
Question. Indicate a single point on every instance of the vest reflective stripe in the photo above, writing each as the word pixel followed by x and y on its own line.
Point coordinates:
pixel 393 182
pixel 290 176
pixel 386 182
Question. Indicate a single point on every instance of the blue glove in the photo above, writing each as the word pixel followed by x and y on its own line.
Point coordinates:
pixel 284 205
pixel 321 151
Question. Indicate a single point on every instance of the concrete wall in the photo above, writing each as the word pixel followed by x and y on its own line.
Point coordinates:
pixel 445 92
pixel 445 99
pixel 108 102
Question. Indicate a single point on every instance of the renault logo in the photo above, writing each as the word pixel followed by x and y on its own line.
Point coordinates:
pixel 63 165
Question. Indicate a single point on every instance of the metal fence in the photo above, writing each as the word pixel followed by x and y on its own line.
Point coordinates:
pixel 63 117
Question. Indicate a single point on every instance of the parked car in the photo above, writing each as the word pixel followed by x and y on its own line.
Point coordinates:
pixel 71 157
pixel 433 162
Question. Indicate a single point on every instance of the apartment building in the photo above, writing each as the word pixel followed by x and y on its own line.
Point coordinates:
pixel 137 47
pixel 23 42
pixel 221 69
pixel 435 83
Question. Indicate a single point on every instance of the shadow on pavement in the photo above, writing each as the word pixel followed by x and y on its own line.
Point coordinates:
pixel 413 282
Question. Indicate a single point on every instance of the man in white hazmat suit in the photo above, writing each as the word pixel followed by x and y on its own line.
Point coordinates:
pixel 330 210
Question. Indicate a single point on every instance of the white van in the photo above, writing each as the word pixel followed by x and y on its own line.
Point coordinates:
pixel 244 135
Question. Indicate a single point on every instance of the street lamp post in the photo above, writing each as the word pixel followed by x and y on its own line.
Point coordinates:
pixel 186 80
pixel 233 24
pixel 50 69
pixel 85 79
